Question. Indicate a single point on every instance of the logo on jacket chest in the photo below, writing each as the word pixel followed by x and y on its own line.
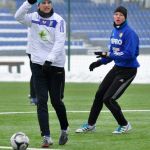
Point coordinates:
pixel 44 35
pixel 116 38
pixel 116 41
pixel 48 23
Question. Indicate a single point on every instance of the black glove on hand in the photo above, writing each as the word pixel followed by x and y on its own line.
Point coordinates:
pixel 94 65
pixel 102 54
pixel 32 1
pixel 46 66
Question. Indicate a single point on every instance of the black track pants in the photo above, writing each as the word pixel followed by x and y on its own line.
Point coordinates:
pixel 51 81
pixel 32 89
pixel 112 87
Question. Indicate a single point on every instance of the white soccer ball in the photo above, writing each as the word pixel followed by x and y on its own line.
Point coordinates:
pixel 19 141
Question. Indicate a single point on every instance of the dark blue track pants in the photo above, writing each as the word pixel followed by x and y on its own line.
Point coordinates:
pixel 52 82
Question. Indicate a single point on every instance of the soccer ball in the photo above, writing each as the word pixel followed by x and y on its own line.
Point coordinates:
pixel 19 141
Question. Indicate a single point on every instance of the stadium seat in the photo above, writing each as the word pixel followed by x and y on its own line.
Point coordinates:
pixel 91 19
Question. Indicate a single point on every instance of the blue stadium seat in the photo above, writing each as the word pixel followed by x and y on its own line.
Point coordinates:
pixel 87 17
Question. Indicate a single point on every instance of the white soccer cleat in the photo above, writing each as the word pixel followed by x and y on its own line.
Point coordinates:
pixel 63 137
pixel 86 128
pixel 47 141
pixel 123 129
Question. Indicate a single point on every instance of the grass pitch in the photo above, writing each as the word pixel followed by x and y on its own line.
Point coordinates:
pixel 78 100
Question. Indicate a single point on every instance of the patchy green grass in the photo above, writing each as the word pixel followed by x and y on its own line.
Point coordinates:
pixel 78 97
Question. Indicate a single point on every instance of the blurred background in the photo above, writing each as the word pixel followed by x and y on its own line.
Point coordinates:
pixel 89 25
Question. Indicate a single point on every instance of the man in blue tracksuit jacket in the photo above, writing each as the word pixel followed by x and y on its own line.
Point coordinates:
pixel 124 49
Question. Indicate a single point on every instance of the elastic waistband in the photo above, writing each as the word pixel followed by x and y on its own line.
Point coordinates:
pixel 120 67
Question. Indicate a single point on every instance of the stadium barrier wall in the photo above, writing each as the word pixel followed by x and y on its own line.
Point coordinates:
pixel 79 70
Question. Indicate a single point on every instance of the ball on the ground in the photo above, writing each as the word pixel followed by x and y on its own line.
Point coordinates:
pixel 19 141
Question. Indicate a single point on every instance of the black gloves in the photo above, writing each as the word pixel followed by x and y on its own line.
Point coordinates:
pixel 46 66
pixel 32 1
pixel 94 65
pixel 102 54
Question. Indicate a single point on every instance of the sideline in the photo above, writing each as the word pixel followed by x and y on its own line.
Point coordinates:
pixel 5 147
pixel 73 111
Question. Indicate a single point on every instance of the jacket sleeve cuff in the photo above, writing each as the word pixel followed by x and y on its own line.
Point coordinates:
pixel 28 4
pixel 51 58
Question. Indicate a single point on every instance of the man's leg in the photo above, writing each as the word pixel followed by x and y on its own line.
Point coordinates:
pixel 33 98
pixel 55 88
pixel 41 88
pixel 117 88
pixel 98 101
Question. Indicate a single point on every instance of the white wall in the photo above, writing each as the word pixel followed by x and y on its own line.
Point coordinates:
pixel 79 70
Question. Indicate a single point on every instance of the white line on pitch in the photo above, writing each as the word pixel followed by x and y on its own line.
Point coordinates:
pixel 73 111
pixel 5 147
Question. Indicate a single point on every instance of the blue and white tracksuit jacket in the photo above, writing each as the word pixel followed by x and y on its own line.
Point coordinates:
pixel 46 38
pixel 124 47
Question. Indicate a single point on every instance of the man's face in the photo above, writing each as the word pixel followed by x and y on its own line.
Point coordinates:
pixel 119 18
pixel 45 6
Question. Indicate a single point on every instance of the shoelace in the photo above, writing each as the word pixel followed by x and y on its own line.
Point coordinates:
pixel 45 140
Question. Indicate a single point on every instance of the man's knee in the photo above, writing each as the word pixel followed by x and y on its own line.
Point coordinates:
pixel 56 103
pixel 111 103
